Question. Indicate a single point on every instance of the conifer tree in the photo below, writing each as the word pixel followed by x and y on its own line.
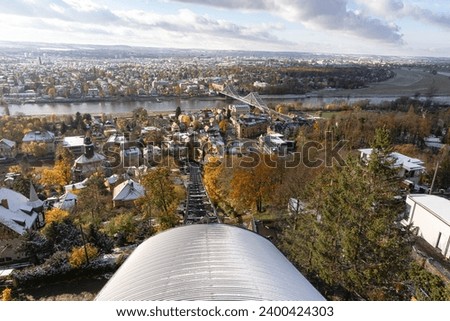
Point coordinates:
pixel 347 236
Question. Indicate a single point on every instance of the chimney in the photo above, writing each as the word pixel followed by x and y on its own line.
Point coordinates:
pixel 4 203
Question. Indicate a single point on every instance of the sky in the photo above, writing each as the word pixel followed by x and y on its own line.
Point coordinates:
pixel 381 27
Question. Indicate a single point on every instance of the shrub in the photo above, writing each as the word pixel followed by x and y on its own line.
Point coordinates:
pixel 80 255
pixel 6 294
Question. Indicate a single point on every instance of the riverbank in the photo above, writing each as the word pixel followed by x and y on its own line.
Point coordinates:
pixel 62 100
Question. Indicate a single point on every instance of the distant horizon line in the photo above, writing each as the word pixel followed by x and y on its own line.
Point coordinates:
pixel 143 47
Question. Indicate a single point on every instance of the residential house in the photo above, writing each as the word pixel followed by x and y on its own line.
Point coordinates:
pixel 126 193
pixel 276 144
pixel 76 186
pixel 152 155
pixel 430 217
pixel 131 156
pixel 44 137
pixel 408 168
pixel 75 144
pixel 66 201
pixel 18 214
pixel 7 149
pixel 250 126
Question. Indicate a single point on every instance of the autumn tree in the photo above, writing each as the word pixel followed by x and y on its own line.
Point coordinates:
pixel 223 126
pixel 60 174
pixel 122 226
pixel 140 116
pixel 35 149
pixel 55 215
pixel 94 202
pixel 81 255
pixel 443 173
pixel 160 194
pixel 185 119
pixel 51 92
pixel 211 173
pixel 154 137
pixel 253 181
pixel 7 294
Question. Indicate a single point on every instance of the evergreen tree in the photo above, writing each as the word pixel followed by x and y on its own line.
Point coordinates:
pixel 177 112
pixel 35 246
pixel 347 236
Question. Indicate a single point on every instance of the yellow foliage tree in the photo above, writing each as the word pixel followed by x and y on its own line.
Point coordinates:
pixel 212 171
pixel 55 215
pixel 15 169
pixel 80 255
pixel 57 176
pixel 253 182
pixel 185 119
pixel 6 294
pixel 160 195
pixel 223 125
pixel 283 109
pixel 60 174
pixel 34 148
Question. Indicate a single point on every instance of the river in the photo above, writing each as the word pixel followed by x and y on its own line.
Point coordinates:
pixel 191 104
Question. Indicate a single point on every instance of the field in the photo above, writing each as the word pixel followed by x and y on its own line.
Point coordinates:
pixel 407 82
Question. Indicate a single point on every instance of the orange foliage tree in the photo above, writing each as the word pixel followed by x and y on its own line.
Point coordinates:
pixel 254 180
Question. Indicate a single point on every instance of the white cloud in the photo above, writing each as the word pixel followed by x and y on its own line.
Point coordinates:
pixel 86 20
pixel 399 9
pixel 334 25
pixel 427 16
pixel 384 8
pixel 186 21
pixel 57 8
pixel 324 14
pixel 82 5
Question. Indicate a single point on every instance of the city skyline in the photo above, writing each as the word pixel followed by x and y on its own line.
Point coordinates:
pixel 386 27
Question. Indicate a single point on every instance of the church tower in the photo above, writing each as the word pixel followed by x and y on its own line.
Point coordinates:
pixel 88 147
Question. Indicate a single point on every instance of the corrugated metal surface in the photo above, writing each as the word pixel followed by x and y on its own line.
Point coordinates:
pixel 208 262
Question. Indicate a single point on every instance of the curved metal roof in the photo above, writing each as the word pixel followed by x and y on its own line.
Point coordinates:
pixel 208 262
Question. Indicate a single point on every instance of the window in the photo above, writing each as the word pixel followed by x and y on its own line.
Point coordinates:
pixel 407 211
pixel 438 240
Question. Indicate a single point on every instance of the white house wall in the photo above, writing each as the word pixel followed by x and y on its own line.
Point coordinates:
pixel 429 227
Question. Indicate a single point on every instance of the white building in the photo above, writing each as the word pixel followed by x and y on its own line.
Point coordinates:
pixel 408 167
pixel 239 109
pixel 7 148
pixel 152 154
pixel 75 144
pixel 127 192
pixel 18 214
pixel 131 156
pixel 430 216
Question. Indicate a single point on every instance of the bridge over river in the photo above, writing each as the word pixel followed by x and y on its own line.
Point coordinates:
pixel 252 99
